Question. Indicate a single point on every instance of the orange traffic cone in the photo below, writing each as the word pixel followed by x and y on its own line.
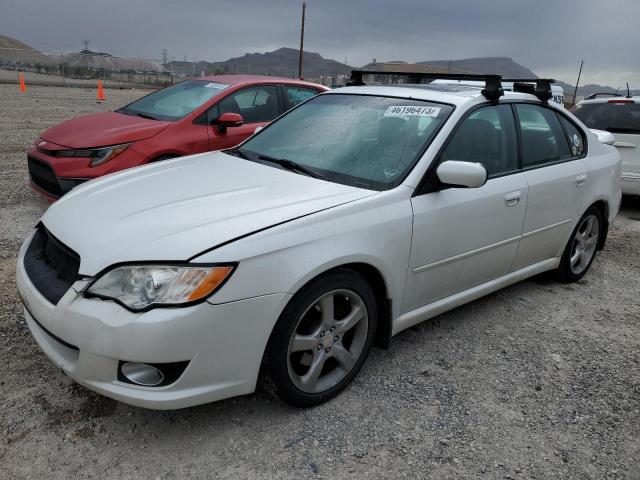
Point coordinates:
pixel 23 87
pixel 100 96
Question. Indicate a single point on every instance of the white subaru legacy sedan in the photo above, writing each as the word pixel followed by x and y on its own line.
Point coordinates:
pixel 354 216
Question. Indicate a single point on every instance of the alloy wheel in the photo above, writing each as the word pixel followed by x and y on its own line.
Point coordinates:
pixel 328 340
pixel 584 244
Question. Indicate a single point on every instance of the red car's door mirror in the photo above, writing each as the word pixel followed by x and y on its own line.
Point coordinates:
pixel 229 119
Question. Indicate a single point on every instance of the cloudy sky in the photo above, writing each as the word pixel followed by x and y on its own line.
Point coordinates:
pixel 548 36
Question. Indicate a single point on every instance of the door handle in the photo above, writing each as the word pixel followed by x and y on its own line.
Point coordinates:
pixel 512 199
pixel 580 179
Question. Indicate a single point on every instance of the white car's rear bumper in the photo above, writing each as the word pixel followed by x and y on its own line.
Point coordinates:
pixel 630 183
pixel 87 338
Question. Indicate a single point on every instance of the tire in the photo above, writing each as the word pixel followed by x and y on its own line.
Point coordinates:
pixel 328 353
pixel 581 248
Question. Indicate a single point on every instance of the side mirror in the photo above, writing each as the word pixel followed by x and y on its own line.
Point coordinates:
pixel 462 174
pixel 229 119
pixel 604 137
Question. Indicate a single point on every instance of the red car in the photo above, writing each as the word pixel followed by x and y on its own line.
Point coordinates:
pixel 193 116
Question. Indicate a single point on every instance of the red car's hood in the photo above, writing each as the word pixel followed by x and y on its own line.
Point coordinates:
pixel 102 129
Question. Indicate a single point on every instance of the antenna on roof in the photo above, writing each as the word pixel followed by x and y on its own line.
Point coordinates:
pixel 575 90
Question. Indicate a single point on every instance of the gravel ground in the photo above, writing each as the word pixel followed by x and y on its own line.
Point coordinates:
pixel 540 380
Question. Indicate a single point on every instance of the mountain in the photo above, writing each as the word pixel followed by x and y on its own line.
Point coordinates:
pixel 282 62
pixel 504 66
pixel 23 53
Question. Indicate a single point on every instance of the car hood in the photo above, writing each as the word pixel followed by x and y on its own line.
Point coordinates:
pixel 102 129
pixel 174 210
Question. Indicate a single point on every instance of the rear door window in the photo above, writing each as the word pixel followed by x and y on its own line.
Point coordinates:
pixel 617 116
pixel 542 138
pixel 576 137
pixel 295 95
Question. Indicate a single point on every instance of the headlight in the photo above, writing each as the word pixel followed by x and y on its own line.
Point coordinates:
pixel 98 155
pixel 140 287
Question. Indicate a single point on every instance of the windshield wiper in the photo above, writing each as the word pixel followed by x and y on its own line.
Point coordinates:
pixel 291 165
pixel 135 114
pixel 143 115
pixel 236 152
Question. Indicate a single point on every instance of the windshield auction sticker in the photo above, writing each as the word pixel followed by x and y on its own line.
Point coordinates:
pixel 411 110
pixel 220 86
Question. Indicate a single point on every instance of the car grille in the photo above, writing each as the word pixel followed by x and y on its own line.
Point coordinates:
pixel 43 176
pixel 51 266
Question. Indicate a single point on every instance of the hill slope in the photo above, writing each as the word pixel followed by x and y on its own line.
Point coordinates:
pixel 504 66
pixel 23 53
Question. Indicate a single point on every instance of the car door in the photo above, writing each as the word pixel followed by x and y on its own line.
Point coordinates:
pixel 558 183
pixel 258 106
pixel 464 237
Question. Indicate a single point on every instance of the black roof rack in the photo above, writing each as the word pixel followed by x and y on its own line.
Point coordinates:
pixel 492 88
pixel 542 88
pixel 591 96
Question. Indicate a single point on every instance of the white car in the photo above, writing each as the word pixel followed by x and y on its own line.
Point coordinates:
pixel 356 215
pixel 620 116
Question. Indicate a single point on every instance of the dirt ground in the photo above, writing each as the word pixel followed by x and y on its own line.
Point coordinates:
pixel 541 380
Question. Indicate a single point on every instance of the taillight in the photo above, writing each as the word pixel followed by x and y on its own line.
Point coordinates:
pixel 620 101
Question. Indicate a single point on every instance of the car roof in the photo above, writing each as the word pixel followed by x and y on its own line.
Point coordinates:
pixel 252 79
pixel 451 94
pixel 611 99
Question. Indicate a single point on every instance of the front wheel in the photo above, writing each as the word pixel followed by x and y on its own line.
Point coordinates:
pixel 581 248
pixel 321 340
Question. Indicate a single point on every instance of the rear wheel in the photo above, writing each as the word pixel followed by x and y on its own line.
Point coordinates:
pixel 321 340
pixel 581 248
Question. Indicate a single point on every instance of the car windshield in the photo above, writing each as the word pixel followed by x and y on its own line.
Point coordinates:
pixel 176 101
pixel 615 117
pixel 359 140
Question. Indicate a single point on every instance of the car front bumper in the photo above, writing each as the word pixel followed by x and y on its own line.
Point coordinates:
pixel 53 176
pixel 44 180
pixel 631 183
pixel 87 338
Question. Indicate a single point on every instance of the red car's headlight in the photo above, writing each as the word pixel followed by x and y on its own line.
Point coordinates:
pixel 98 156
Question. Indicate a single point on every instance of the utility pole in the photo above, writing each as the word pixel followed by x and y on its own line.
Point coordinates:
pixel 304 8
pixel 165 59
pixel 575 90
pixel 86 44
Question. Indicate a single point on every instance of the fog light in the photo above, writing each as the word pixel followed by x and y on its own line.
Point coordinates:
pixel 142 374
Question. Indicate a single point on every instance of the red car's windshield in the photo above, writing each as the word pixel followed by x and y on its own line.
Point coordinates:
pixel 176 101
